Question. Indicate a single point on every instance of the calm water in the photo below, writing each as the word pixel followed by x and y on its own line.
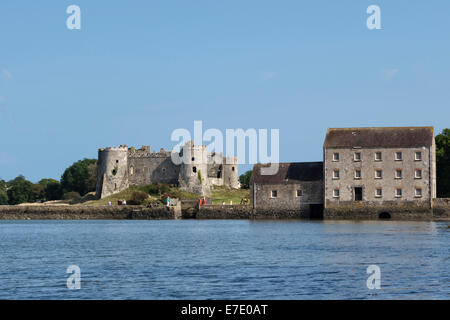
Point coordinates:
pixel 223 259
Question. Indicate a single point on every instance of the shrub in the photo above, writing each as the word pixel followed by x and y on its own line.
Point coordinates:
pixel 72 195
pixel 137 198
pixel 156 189
pixel 200 176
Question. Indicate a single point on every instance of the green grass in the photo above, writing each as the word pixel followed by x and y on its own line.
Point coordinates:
pixel 218 195
pixel 173 192
pixel 223 194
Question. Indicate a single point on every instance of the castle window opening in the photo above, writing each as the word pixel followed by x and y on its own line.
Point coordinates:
pixel 163 169
pixel 193 159
pixel 232 168
pixel 115 186
pixel 117 161
pixel 194 169
pixel 219 172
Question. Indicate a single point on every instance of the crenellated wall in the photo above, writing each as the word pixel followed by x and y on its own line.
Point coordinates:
pixel 122 166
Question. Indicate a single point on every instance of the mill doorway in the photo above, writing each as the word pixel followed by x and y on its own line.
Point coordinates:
pixel 358 194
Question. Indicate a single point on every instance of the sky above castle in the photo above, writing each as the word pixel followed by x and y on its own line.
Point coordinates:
pixel 138 70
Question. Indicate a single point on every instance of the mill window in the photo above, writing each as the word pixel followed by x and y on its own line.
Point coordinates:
pixel 378 156
pixel 398 156
pixel 336 156
pixel 418 174
pixel 357 156
pixel 274 194
pixel 398 173
pixel 378 193
pixel 336 193
pixel 398 192
pixel 336 174
pixel 378 174
pixel 299 193
pixel 358 173
pixel 418 192
pixel 418 156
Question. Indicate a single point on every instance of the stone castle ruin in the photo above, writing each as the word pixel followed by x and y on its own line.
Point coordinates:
pixel 120 167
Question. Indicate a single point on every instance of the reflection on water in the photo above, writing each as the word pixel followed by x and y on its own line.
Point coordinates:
pixel 224 259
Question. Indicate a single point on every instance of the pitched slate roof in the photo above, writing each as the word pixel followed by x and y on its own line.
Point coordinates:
pixel 388 137
pixel 292 172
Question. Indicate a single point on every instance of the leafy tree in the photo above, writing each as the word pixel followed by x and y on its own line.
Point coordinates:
pixel 38 192
pixel 3 194
pixel 80 177
pixel 443 164
pixel 244 179
pixel 54 191
pixel 20 190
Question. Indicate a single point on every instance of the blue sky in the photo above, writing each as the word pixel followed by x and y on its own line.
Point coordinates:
pixel 137 70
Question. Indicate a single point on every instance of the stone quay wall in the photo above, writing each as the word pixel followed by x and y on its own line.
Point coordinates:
pixel 88 213
pixel 367 211
pixel 441 209
pixel 247 212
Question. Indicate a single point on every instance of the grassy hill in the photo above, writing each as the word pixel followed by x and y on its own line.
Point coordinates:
pixel 157 193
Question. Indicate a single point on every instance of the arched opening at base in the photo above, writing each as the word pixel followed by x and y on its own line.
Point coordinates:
pixel 384 215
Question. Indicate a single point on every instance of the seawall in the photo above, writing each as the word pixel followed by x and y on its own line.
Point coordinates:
pixel 87 212
pixel 440 211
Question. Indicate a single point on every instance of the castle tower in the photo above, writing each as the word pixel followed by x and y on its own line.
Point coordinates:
pixel 112 175
pixel 194 169
pixel 230 173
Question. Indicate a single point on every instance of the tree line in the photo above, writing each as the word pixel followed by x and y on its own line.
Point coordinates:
pixel 77 180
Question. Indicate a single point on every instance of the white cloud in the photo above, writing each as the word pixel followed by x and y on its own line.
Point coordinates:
pixel 268 75
pixel 390 74
pixel 6 158
pixel 7 74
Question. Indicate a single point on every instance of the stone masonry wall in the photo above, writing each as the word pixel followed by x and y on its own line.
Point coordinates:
pixel 87 212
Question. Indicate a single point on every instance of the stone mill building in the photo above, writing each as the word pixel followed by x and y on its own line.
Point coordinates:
pixel 120 167
pixel 365 173
pixel 379 170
